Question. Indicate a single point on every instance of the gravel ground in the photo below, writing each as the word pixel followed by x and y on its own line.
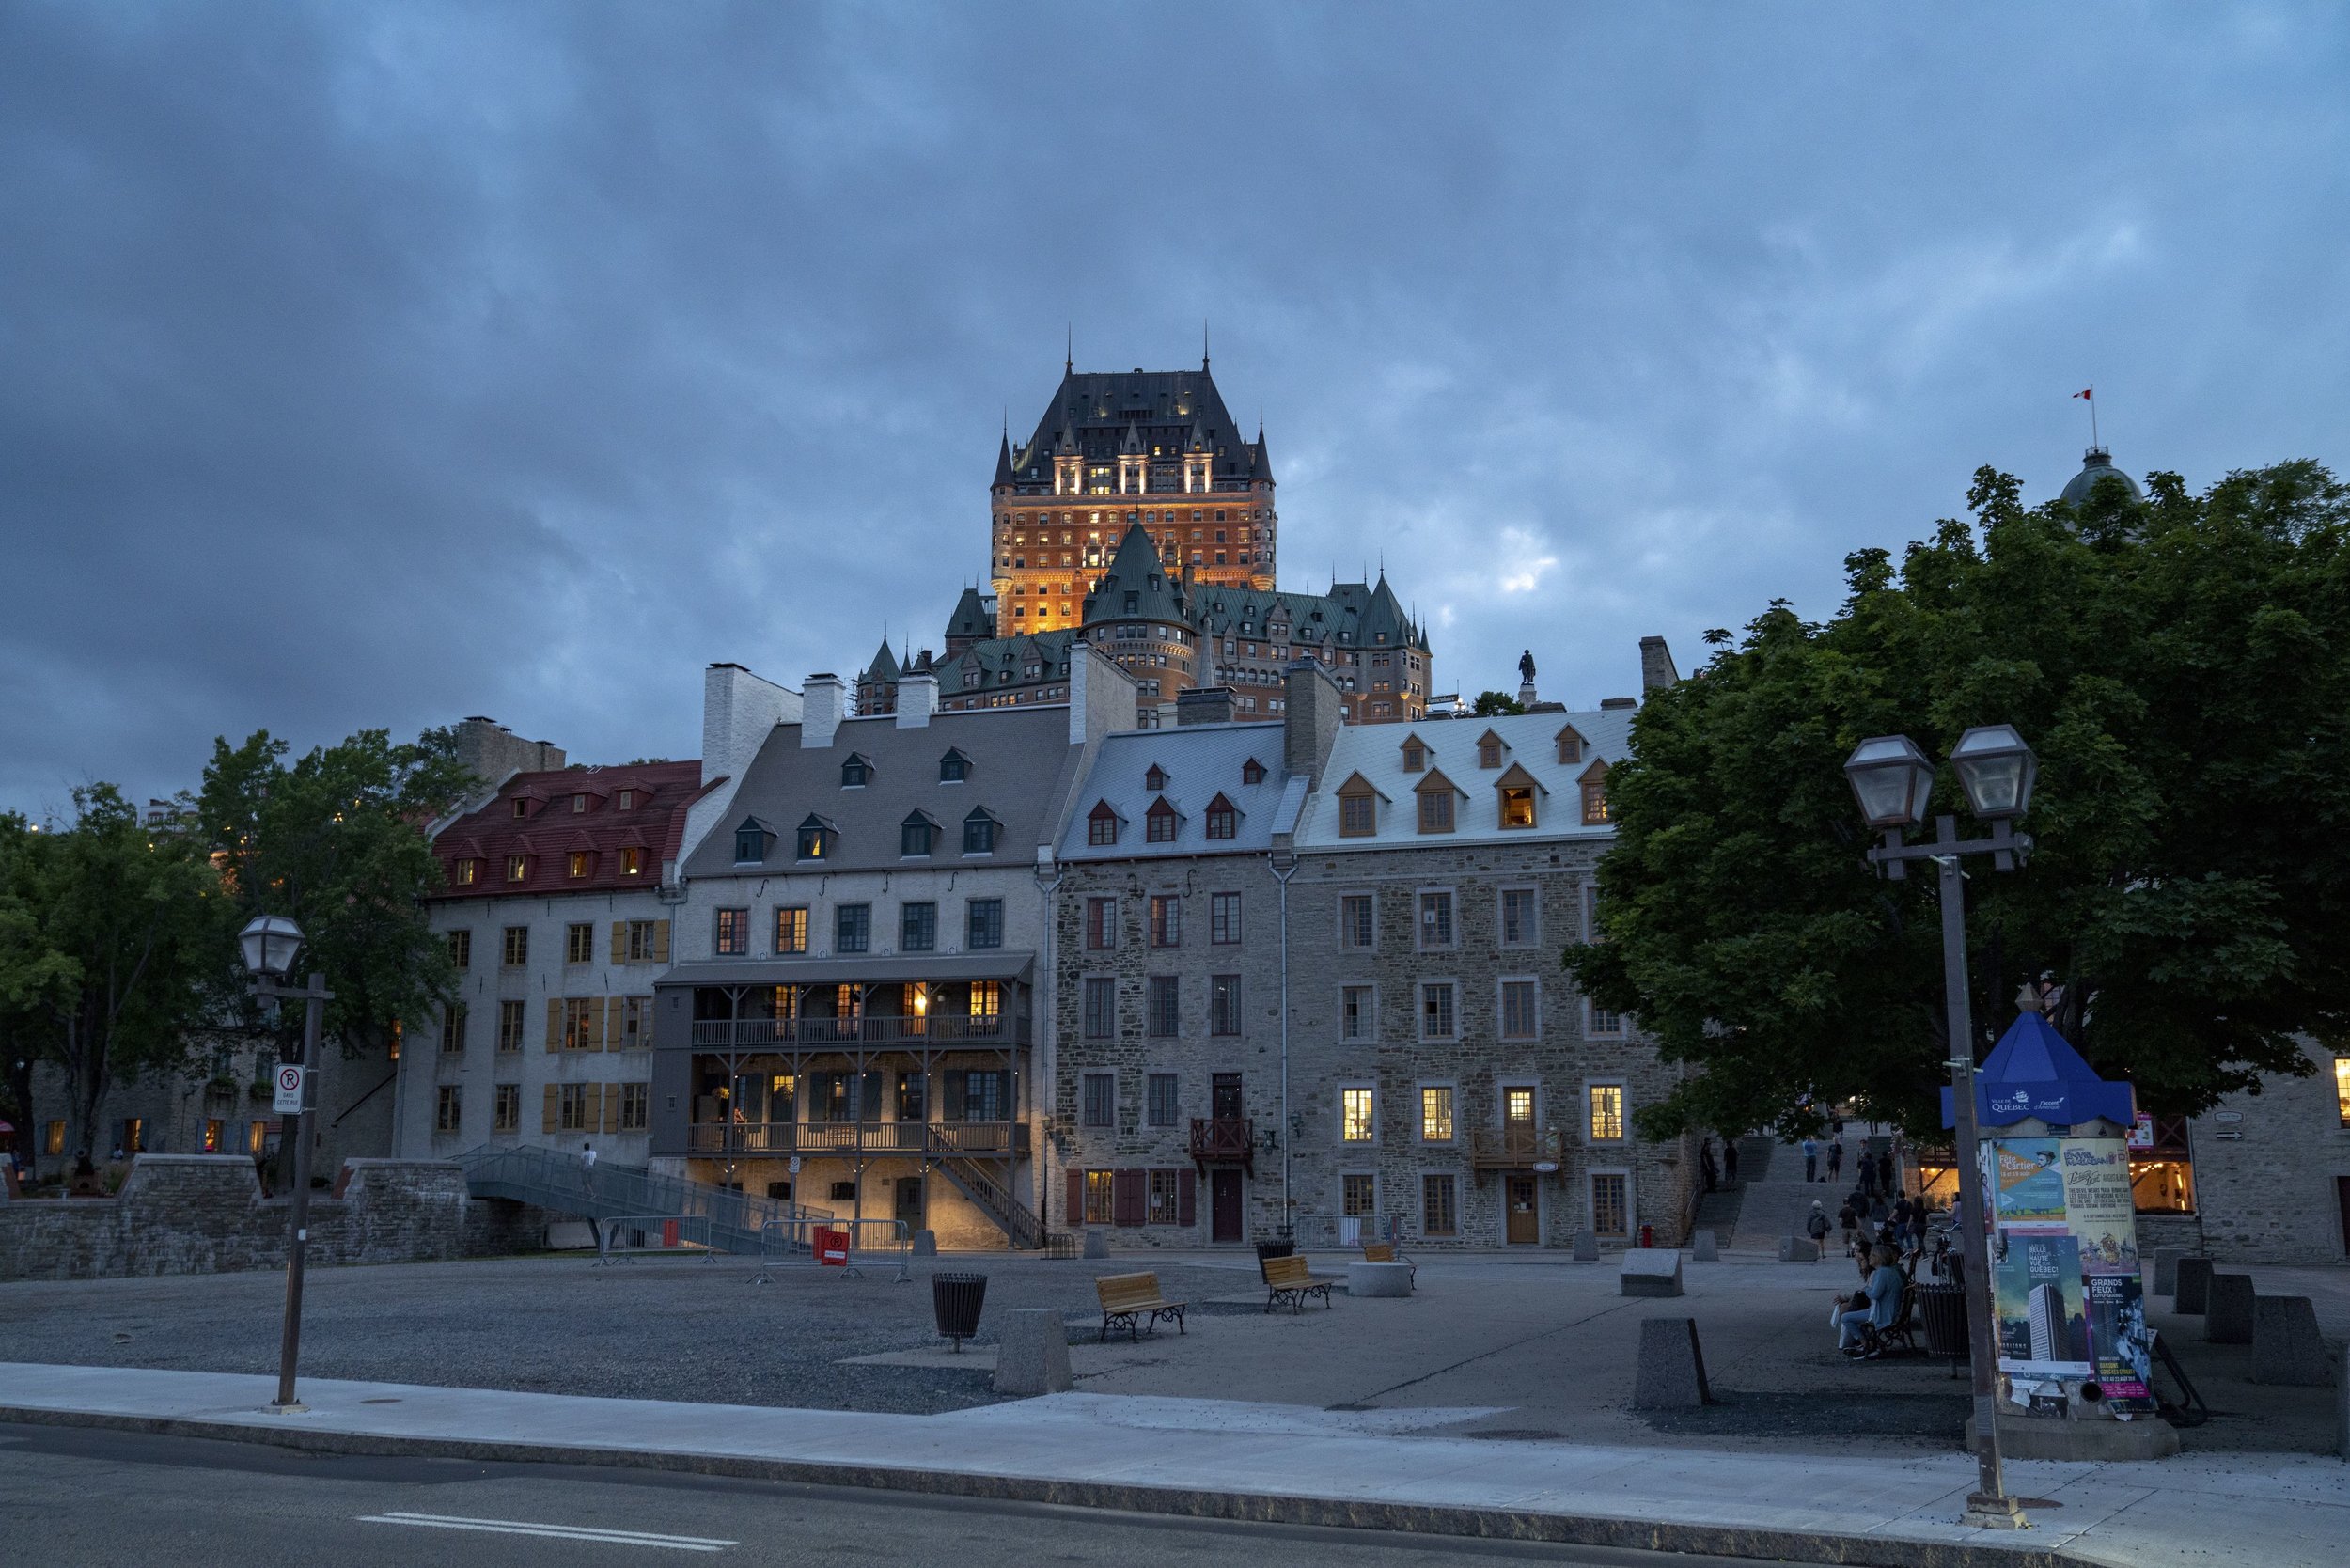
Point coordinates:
pixel 663 1328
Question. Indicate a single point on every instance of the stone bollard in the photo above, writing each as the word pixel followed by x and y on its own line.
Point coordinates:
pixel 2194 1281
pixel 2167 1269
pixel 2229 1320
pixel 1587 1246
pixel 2286 1345
pixel 1703 1249
pixel 1097 1244
pixel 1799 1250
pixel 1377 1279
pixel 1670 1374
pixel 1650 1271
pixel 1032 1357
pixel 925 1243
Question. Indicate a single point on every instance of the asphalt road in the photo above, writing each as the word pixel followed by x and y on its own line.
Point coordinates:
pixel 75 1498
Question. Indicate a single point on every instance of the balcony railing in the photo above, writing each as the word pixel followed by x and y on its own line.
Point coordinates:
pixel 915 1140
pixel 1513 1148
pixel 1224 1140
pixel 991 1031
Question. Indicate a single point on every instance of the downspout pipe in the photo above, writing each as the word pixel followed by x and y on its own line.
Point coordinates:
pixel 1284 868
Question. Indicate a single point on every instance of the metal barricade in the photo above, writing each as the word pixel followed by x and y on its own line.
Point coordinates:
pixel 623 1238
pixel 793 1240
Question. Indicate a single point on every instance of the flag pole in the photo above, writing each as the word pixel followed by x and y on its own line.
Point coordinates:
pixel 2092 414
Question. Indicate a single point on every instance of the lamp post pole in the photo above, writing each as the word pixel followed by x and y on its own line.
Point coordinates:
pixel 314 998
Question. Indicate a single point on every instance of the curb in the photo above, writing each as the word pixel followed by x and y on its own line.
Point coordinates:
pixel 1491 1524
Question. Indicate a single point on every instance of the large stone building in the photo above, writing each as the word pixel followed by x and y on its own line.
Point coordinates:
pixel 860 935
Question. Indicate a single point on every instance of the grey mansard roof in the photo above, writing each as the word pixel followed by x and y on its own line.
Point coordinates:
pixel 1200 761
pixel 1177 410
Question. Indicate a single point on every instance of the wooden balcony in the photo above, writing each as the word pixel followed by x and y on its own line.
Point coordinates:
pixel 1517 1147
pixel 936 1140
pixel 1224 1141
pixel 938 1031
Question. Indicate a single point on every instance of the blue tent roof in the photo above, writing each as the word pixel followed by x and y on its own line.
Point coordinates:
pixel 2033 1073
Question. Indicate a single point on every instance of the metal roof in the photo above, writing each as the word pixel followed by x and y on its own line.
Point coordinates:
pixel 1529 741
pixel 1200 761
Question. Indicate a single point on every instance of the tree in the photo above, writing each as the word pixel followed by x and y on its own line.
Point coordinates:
pixel 106 931
pixel 335 841
pixel 2181 665
pixel 1493 704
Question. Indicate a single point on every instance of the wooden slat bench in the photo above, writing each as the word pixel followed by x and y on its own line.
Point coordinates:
pixel 1289 1279
pixel 1134 1300
pixel 1388 1252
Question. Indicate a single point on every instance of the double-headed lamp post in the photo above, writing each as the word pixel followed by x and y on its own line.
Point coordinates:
pixel 269 944
pixel 1891 779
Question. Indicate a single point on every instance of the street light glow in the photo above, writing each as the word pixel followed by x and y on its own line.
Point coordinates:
pixel 270 943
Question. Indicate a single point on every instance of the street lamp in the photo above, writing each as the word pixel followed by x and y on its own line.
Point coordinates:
pixel 269 944
pixel 1891 779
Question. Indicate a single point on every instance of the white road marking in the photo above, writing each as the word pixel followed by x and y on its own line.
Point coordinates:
pixel 561 1532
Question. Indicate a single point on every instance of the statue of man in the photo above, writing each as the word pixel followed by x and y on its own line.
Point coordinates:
pixel 1526 667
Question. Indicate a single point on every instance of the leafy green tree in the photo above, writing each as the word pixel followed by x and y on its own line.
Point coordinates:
pixel 1493 704
pixel 107 931
pixel 2181 665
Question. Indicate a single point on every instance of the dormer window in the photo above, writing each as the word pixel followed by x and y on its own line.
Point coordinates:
pixel 517 868
pixel 1161 823
pixel 815 838
pixel 624 801
pixel 1155 779
pixel 750 844
pixel 463 872
pixel 522 808
pixel 954 768
pixel 1594 787
pixel 1102 824
pixel 1223 819
pixel 631 862
pixel 1489 750
pixel 1414 755
pixel 579 805
pixel 914 834
pixel 1252 771
pixel 854 772
pixel 1435 804
pixel 978 833
pixel 1517 807
pixel 581 862
pixel 1570 746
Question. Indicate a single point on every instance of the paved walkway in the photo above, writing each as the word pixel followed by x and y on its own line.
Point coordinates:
pixel 1237 1459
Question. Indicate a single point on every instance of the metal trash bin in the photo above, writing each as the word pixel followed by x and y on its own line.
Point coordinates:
pixel 1942 1312
pixel 1285 1247
pixel 956 1298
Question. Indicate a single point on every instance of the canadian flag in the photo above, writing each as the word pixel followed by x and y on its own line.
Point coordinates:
pixel 2084 392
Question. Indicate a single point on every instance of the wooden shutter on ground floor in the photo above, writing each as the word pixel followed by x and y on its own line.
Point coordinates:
pixel 1127 1197
pixel 546 1110
pixel 555 1024
pixel 1186 1196
pixel 611 1107
pixel 661 941
pixel 1076 1199
pixel 619 941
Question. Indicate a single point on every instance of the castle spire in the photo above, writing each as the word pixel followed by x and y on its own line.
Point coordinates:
pixel 1204 345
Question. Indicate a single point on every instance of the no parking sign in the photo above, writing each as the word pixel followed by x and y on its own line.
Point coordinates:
pixel 289 1086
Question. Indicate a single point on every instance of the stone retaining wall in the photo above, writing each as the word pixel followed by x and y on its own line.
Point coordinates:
pixel 204 1214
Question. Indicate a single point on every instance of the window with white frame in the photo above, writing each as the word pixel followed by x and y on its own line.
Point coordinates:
pixel 1356 928
pixel 1600 1024
pixel 1437 1016
pixel 1436 918
pixel 1604 1118
pixel 1435 1113
pixel 1357 1121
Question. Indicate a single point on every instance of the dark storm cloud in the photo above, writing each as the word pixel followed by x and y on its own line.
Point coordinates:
pixel 376 366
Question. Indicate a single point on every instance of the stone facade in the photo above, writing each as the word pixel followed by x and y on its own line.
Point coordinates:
pixel 200 1214
pixel 2272 1175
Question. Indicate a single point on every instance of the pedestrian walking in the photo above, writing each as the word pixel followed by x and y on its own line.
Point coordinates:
pixel 1810 1159
pixel 1884 1172
pixel 1867 1174
pixel 1730 1160
pixel 587 1180
pixel 1816 1227
pixel 1848 1221
pixel 1705 1164
pixel 1835 1157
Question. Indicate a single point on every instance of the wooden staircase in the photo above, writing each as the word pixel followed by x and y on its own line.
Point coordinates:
pixel 977 1179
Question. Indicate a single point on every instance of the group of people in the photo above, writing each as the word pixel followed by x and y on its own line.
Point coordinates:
pixel 1874 1172
pixel 1717 1175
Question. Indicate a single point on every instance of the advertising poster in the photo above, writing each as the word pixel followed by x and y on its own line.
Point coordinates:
pixel 2027 1186
pixel 2042 1321
pixel 2097 1206
pixel 2122 1347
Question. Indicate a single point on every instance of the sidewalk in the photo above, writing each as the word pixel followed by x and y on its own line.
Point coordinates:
pixel 1295 1464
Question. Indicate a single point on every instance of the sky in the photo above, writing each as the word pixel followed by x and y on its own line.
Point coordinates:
pixel 375 366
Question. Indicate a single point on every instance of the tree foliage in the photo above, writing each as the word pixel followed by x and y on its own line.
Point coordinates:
pixel 1494 704
pixel 2180 664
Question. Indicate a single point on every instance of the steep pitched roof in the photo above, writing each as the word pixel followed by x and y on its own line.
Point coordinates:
pixel 884 665
pixel 1136 586
pixel 971 617
pixel 1373 754
pixel 659 794
pixel 1089 415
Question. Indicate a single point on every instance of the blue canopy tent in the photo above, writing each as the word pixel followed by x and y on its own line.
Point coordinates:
pixel 2033 1074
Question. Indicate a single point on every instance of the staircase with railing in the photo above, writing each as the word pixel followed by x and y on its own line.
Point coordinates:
pixel 560 1184
pixel 977 1181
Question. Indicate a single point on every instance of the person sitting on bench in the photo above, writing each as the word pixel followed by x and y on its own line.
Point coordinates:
pixel 1874 1307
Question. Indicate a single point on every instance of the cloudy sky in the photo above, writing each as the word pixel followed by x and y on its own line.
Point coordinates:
pixel 379 365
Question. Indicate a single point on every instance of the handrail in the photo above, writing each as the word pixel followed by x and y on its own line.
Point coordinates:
pixel 560 1184
pixel 992 1031
pixel 931 1139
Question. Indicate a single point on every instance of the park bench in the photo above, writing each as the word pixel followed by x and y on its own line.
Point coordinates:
pixel 1132 1300
pixel 1901 1331
pixel 1289 1279
pixel 1387 1252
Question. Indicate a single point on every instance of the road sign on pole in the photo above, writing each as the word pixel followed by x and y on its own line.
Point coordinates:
pixel 289 1084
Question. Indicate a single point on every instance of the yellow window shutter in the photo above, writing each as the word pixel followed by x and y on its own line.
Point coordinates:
pixel 619 941
pixel 546 1111
pixel 611 1107
pixel 592 1112
pixel 595 1026
pixel 661 941
pixel 613 1038
pixel 555 1024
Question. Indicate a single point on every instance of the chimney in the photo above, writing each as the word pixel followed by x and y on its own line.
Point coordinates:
pixel 493 753
pixel 1204 705
pixel 1609 704
pixel 1100 695
pixel 823 700
pixel 1311 711
pixel 1657 665
pixel 739 709
pixel 917 699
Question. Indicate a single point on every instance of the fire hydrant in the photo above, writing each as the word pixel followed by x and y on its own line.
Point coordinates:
pixel 1648 1235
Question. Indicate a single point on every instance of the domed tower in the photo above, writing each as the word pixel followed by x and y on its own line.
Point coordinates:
pixel 1140 614
pixel 2095 465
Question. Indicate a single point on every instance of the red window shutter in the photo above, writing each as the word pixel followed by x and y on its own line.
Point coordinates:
pixel 1126 1196
pixel 1187 1198
pixel 1076 1199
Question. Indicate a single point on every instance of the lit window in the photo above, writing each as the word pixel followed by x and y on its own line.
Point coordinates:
pixel 813 842
pixel 1166 920
pixel 466 871
pixel 517 868
pixel 791 930
pixel 732 937
pixel 1607 1112
pixel 1355 1116
pixel 579 862
pixel 1517 807
pixel 1436 1114
pixel 2341 1087
pixel 631 862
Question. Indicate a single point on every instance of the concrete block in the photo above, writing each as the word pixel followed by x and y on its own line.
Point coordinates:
pixel 1367 1279
pixel 1703 1249
pixel 1799 1250
pixel 1032 1356
pixel 2286 1345
pixel 925 1244
pixel 1670 1374
pixel 2194 1285
pixel 2229 1319
pixel 2167 1269
pixel 2342 1405
pixel 1587 1246
pixel 1651 1271
pixel 2090 1441
pixel 1097 1244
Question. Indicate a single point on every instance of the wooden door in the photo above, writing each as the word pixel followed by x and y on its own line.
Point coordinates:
pixel 1225 1222
pixel 2342 1195
pixel 1525 1216
pixel 909 1206
pixel 1224 1097
pixel 1517 1122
